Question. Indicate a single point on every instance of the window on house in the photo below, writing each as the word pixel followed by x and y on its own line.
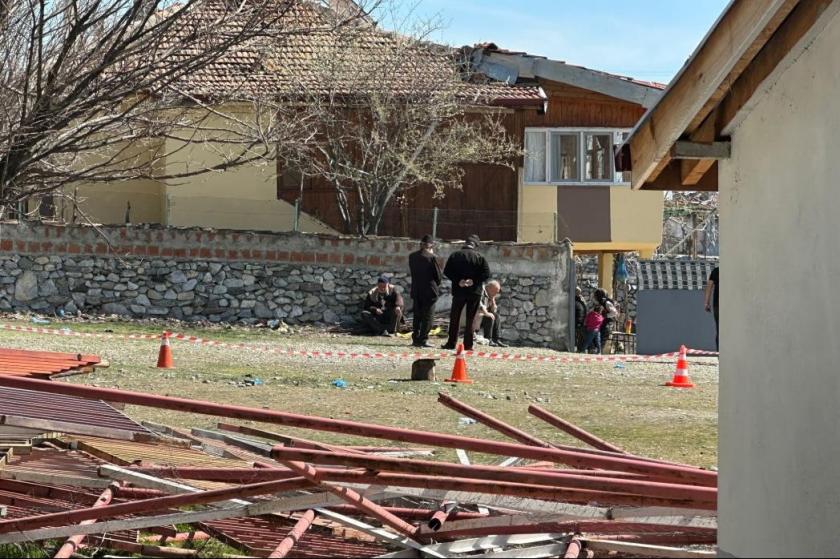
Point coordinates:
pixel 535 159
pixel 572 156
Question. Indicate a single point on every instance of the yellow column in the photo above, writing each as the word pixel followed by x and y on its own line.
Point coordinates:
pixel 646 253
pixel 605 271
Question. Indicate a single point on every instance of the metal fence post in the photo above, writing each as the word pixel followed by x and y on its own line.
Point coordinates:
pixel 434 222
pixel 296 225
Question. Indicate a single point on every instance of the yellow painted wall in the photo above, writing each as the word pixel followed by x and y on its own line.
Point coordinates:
pixel 107 202
pixel 537 206
pixel 635 216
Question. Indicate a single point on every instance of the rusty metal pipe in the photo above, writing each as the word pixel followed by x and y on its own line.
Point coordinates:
pixel 352 497
pixel 574 458
pixel 591 527
pixel 71 545
pixel 294 536
pixel 107 511
pixel 443 514
pixel 573 430
pixel 573 549
pixel 490 421
pixel 377 463
pixel 527 491
pixel 239 475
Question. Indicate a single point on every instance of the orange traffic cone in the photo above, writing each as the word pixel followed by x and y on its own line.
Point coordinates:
pixel 165 354
pixel 459 371
pixel 681 379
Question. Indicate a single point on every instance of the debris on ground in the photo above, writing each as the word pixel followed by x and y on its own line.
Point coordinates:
pixel 85 478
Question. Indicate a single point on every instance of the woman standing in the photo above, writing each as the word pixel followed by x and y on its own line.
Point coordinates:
pixel 610 312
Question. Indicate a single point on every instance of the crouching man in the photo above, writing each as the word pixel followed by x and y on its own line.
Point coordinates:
pixel 383 308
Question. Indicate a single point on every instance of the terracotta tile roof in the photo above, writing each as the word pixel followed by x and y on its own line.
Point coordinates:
pixel 43 364
pixel 306 43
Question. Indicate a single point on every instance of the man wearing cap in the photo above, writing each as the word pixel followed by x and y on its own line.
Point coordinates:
pixel 383 308
pixel 426 277
pixel 467 270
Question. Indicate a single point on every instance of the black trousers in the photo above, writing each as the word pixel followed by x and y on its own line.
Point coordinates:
pixel 379 323
pixel 472 303
pixel 424 315
pixel 492 326
pixel 717 327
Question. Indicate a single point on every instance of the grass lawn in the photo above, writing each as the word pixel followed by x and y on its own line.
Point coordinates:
pixel 626 406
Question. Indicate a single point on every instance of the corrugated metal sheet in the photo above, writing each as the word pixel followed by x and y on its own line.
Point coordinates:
pixel 43 364
pixel 55 407
pixel 259 536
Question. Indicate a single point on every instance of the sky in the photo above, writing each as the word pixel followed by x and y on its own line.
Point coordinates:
pixel 644 39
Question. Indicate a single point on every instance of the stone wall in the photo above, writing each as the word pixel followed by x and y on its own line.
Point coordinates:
pixel 233 276
pixel 586 274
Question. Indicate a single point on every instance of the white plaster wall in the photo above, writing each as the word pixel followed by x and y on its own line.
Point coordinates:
pixel 780 313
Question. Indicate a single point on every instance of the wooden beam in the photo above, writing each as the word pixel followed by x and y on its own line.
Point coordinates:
pixel 643 550
pixel 739 32
pixel 798 30
pixel 671 178
pixel 697 150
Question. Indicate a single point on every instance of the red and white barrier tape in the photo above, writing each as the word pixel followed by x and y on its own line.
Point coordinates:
pixel 357 355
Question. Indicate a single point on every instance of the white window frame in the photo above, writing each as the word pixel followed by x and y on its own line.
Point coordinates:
pixel 581 158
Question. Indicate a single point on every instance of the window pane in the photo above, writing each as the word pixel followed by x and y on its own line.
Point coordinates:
pixel 564 157
pixel 599 157
pixel 534 156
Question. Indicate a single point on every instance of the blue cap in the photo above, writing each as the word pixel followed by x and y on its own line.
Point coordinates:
pixel 383 279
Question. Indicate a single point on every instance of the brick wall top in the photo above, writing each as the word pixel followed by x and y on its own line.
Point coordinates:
pixel 229 245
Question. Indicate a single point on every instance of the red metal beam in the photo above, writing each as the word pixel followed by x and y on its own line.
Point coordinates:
pixel 541 477
pixel 540 492
pixel 492 422
pixel 352 497
pixel 575 458
pixel 444 513
pixel 296 533
pixel 573 430
pixel 71 545
pixel 592 527
pixel 108 511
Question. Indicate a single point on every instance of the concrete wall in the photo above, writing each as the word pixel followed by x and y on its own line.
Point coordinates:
pixel 669 318
pixel 779 376
pixel 231 276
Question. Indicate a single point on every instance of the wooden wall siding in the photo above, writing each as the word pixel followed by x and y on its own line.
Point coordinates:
pixel 487 203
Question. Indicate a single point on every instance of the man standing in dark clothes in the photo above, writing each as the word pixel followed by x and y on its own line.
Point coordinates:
pixel 467 270
pixel 712 286
pixel 383 308
pixel 425 288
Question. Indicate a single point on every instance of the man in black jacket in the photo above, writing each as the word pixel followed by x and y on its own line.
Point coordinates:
pixel 467 270
pixel 425 287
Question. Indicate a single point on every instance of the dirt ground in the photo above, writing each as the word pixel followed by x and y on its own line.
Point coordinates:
pixel 623 403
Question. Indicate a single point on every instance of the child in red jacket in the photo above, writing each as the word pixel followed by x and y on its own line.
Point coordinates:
pixel 593 321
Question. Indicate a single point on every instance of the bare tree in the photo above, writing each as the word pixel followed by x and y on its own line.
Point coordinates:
pixel 388 112
pixel 94 91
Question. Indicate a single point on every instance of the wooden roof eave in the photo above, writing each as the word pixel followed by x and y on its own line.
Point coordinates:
pixel 750 43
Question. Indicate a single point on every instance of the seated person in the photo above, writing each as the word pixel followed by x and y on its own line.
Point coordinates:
pixel 488 317
pixel 383 308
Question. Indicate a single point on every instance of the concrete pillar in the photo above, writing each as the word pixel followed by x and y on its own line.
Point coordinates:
pixel 646 253
pixel 605 271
